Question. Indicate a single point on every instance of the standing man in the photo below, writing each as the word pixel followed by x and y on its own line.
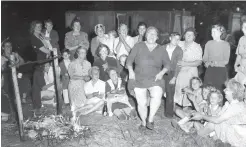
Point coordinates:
pixel 175 54
pixel 124 43
pixel 50 35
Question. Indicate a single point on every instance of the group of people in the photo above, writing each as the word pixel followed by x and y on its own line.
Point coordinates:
pixel 139 67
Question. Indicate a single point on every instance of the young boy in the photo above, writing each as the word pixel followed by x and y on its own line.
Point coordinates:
pixel 64 74
pixel 175 54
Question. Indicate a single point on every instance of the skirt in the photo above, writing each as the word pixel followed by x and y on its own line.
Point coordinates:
pixel 216 76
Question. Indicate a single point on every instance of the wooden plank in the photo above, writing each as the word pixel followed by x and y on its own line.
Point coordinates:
pixel 18 100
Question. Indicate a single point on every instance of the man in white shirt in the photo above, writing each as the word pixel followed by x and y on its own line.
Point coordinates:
pixel 124 43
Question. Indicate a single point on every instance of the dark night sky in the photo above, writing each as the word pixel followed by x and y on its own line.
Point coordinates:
pixel 16 16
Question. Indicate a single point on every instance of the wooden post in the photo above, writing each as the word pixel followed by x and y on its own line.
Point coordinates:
pixel 18 100
pixel 57 82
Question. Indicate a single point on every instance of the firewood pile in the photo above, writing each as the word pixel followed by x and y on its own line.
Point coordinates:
pixel 54 129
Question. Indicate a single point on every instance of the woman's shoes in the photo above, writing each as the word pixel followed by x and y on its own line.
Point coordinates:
pixel 150 125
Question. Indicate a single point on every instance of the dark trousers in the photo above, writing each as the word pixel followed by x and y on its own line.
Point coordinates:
pixel 170 89
pixel 38 83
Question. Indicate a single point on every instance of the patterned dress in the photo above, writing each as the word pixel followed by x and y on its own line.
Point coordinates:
pixel 76 86
pixel 233 130
pixel 192 53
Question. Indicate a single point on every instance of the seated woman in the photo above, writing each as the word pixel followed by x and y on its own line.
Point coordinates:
pixel 104 62
pixel 229 126
pixel 94 91
pixel 117 97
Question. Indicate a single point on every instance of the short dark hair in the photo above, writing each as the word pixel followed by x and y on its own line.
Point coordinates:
pixel 66 51
pixel 100 47
pixel 110 69
pixel 175 34
pixel 142 24
pixel 48 21
pixel 190 29
pixel 74 21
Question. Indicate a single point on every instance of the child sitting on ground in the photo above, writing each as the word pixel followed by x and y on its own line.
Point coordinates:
pixel 198 96
pixel 241 73
pixel 215 100
pixel 116 97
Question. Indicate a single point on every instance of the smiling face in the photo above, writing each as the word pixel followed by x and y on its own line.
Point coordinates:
pixel 49 26
pixel 214 99
pixel 151 36
pixel 216 33
pixel 65 56
pixel 38 28
pixel 95 74
pixel 141 30
pixel 228 93
pixel 189 36
pixel 76 26
pixel 123 30
pixel 113 76
pixel 195 84
pixel 82 54
pixel 103 52
pixel 7 48
pixel 174 40
pixel 100 32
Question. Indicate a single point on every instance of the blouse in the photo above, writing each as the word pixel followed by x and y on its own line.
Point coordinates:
pixel 216 51
pixel 241 48
pixel 74 40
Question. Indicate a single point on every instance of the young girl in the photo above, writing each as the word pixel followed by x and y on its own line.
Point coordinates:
pixel 197 95
pixel 64 74
pixel 215 100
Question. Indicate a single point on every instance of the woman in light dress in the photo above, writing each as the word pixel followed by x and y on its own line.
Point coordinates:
pixel 192 57
pixel 230 124
pixel 79 74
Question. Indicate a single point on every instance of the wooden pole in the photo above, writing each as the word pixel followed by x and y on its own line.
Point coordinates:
pixel 57 82
pixel 18 100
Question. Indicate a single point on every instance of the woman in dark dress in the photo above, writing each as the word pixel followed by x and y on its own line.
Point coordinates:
pixel 104 62
pixel 41 48
pixel 149 58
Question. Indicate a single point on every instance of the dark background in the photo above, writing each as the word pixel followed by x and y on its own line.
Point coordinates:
pixel 16 17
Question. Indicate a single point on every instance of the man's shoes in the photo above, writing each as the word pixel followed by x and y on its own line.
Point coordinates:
pixel 150 125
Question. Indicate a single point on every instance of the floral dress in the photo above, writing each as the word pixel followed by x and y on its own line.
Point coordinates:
pixel 233 130
pixel 76 87
pixel 192 53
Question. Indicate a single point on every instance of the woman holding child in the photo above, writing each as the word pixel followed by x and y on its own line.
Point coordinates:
pixel 230 124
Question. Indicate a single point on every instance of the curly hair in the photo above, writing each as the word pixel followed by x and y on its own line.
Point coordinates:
pixel 33 25
pixel 100 47
pixel 74 21
pixel 222 29
pixel 93 68
pixel 77 52
pixel 237 89
pixel 99 26
pixel 219 94
pixel 190 29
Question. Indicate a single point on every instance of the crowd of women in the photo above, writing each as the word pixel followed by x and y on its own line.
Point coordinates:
pixel 139 67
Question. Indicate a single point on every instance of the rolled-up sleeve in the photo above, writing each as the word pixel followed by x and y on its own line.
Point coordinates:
pixel 132 56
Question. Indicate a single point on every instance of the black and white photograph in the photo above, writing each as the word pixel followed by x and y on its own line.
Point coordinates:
pixel 123 73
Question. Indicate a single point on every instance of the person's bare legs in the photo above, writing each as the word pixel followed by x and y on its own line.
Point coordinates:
pixel 206 130
pixel 141 97
pixel 97 103
pixel 155 101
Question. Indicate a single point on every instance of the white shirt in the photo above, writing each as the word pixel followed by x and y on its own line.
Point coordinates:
pixel 129 40
pixel 99 86
pixel 170 51
pixel 49 78
pixel 67 62
pixel 47 41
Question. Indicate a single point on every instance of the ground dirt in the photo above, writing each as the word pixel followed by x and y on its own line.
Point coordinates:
pixel 111 132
